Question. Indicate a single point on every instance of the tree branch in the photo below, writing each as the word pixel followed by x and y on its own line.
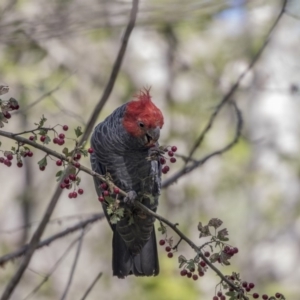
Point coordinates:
pixel 91 286
pixel 234 88
pixel 81 225
pixel 73 266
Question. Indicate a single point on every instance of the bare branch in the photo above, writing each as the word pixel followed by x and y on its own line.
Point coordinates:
pixel 114 73
pixel 197 163
pixel 45 279
pixel 73 266
pixel 48 241
pixel 42 97
pixel 234 88
pixel 91 286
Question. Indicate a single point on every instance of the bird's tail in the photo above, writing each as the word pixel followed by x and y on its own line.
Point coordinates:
pixel 143 264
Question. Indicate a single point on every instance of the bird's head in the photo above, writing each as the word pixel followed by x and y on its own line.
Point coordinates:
pixel 143 120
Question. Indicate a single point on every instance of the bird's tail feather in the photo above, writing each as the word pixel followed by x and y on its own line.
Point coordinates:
pixel 143 264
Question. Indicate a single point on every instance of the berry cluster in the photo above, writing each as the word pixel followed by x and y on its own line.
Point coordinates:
pixel 68 183
pixel 163 160
pixel 168 248
pixel 105 191
pixel 9 155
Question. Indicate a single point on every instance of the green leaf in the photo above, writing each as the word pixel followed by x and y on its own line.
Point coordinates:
pixel 42 121
pixel 120 212
pixel 43 132
pixel 181 261
pixel 59 175
pixel 43 162
pixel 13 149
pixel 47 140
pixel 78 131
pixel 84 152
pixel 78 180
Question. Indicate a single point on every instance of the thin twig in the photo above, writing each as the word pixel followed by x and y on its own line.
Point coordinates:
pixel 57 220
pixel 38 100
pixel 73 266
pixel 114 73
pixel 91 286
pixel 53 269
pixel 196 164
pixel 234 88
pixel 48 241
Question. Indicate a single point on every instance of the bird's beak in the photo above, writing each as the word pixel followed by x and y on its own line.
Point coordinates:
pixel 152 136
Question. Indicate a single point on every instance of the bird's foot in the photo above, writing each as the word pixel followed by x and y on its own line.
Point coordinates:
pixel 129 199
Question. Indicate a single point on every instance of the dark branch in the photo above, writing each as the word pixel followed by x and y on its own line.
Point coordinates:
pixel 91 286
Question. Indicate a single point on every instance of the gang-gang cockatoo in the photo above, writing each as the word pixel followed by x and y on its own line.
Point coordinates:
pixel 122 143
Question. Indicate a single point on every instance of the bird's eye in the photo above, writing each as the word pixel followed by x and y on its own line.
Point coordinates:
pixel 141 124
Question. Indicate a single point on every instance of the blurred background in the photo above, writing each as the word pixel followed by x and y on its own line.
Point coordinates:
pixel 56 57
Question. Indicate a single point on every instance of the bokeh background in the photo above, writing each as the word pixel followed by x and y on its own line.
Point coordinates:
pixel 58 55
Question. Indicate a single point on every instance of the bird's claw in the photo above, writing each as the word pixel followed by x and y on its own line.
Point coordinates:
pixel 129 199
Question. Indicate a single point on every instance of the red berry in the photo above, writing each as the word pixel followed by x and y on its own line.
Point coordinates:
pixel 104 186
pixel 251 285
pixel 29 153
pixel 61 136
pixel 19 164
pixel 66 180
pixel 235 250
pixel 77 156
pixel 277 295
pixel 72 177
pixel 244 284
pixel 219 294
pixel 77 164
pixel 174 148
pixel 65 127
pixel 173 160
pixel 255 296
pixel 206 254
pixel 17 106
pixel 247 289
pixel 59 163
pixel 101 199
pixel 202 264
pixel 2 159
pixel 71 195
pixel 106 193
pixel 192 269
pixel 80 191
pixel 165 169
pixel 90 150
pixel 189 274
pixel 215 298
pixel 170 153
pixel 195 277
pixel 168 248
pixel 201 273
pixel 162 242
pixel 62 185
pixel 55 140
pixel 9 156
pixel 31 138
pixel 265 297
pixel 116 190
pixel 74 195
pixel 183 272
pixel 43 138
pixel 7 115
pixel 42 168
pixel 162 160
pixel 60 142
pixel 170 254
pixel 7 162
pixel 223 297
